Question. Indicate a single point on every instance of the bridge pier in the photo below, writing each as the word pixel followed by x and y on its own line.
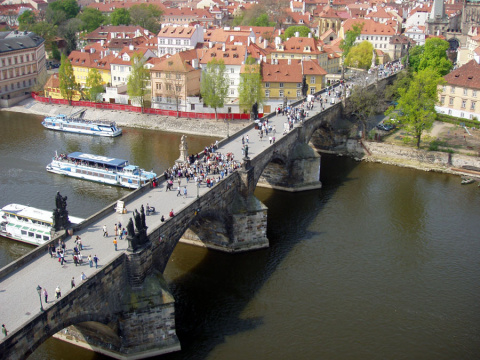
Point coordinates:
pixel 300 172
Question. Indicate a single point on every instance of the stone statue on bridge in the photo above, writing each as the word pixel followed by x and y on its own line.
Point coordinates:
pixel 183 147
pixel 254 113
pixel 138 236
pixel 60 213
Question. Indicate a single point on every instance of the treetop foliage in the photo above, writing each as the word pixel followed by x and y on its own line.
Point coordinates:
pixel 431 55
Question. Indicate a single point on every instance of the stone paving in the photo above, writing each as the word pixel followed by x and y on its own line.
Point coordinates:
pixel 18 296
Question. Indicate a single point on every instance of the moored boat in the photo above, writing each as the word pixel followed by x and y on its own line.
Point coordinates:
pixel 466 181
pixel 102 169
pixel 28 224
pixel 81 126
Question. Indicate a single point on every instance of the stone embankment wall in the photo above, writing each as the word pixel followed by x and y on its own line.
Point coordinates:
pixel 410 157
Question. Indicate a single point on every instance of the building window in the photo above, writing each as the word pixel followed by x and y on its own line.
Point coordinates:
pixel 162 41
pixel 267 84
pixel 232 92
pixel 299 93
pixel 312 80
pixel 232 82
pixel 464 104
pixel 280 93
pixel 442 100
pixel 449 112
pixel 232 71
pixel 452 89
pixel 472 105
pixel 299 85
pixel 281 85
pixel 444 88
pixel 178 42
pixel 159 86
pixel 178 88
pixel 312 90
pixel 450 101
pixel 474 93
pixel 465 92
pixel 267 93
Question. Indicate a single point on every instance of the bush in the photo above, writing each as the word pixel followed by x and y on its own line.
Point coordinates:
pixel 456 121
pixel 407 140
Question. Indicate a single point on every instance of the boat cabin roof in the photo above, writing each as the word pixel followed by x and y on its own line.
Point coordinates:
pixel 98 159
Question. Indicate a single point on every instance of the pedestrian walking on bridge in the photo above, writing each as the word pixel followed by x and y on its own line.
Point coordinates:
pixel 4 330
pixel 72 283
pixel 45 294
pixel 95 260
pixel 58 292
pixel 105 233
pixel 115 243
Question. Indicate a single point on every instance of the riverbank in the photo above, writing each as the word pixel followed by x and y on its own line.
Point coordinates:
pixel 404 156
pixel 206 127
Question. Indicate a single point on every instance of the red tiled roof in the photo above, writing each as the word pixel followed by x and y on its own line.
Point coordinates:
pixel 466 76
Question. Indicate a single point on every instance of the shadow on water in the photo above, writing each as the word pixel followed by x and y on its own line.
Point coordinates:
pixel 212 294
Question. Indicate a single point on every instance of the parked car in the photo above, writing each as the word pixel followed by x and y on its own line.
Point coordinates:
pixel 385 127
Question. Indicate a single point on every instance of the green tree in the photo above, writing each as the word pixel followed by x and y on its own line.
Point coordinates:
pixel 262 20
pixel 120 16
pixel 62 10
pixel 67 79
pixel 360 56
pixel 91 19
pixel 94 84
pixel 435 56
pixel 290 32
pixel 27 20
pixel 250 87
pixel 48 32
pixel 146 16
pixel 415 56
pixel 214 84
pixel 347 43
pixel 363 104
pixel 401 82
pixel 137 80
pixel 416 104
pixel 69 32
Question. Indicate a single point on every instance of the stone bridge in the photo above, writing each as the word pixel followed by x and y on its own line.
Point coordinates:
pixel 124 309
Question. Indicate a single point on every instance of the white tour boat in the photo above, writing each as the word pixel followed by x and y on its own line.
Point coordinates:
pixel 102 169
pixel 78 125
pixel 28 224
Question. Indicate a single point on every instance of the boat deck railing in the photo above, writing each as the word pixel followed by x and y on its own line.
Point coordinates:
pixel 90 122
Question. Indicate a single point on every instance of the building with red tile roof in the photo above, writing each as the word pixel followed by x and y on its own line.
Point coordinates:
pixel 461 94
pixel 282 79
pixel 173 39
pixel 174 80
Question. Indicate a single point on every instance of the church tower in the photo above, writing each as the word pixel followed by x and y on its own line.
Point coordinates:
pixel 437 22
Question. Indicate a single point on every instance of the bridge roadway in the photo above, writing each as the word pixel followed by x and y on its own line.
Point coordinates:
pixel 18 295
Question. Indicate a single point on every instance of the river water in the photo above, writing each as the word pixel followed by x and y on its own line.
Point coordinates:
pixel 381 263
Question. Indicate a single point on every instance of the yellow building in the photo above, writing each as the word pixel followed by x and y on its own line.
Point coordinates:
pixel 283 79
pixel 460 96
pixel 174 80
pixel 52 88
pixel 83 61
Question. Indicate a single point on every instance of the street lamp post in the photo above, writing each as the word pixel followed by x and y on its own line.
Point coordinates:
pixel 39 291
pixel 228 121
pixel 198 189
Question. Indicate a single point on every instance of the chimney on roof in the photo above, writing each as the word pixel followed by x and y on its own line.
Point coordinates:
pixel 297 34
pixel 289 61
pixel 273 61
pixel 83 50
pixel 248 41
pixel 92 50
pixel 223 47
pixel 102 42
pixel 195 63
pixel 130 47
pixel 210 44
pixel 265 43
pixel 309 35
